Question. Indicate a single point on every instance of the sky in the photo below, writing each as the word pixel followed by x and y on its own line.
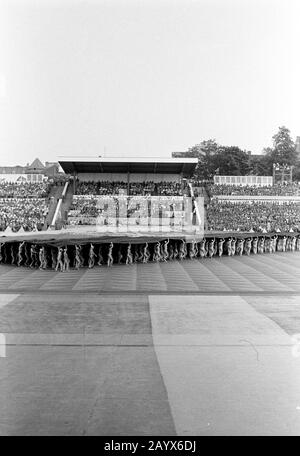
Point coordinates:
pixel 128 78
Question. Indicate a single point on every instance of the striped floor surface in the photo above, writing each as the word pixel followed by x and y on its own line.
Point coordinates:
pixel 270 273
pixel 206 347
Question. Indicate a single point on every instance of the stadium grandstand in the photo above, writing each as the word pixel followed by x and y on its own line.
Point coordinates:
pixel 154 204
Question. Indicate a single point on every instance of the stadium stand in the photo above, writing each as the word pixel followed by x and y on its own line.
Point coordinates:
pixel 253 216
pixel 23 205
pixel 292 189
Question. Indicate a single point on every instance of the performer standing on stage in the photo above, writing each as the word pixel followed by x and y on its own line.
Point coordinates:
pixel 66 259
pixel 32 255
pixel 110 259
pixel 211 247
pixel 77 261
pixel 220 246
pixel 254 245
pixel 20 259
pixel 100 256
pixel 59 262
pixel 146 253
pixel 91 257
pixel 240 247
pixel 248 244
pixel 202 250
pixel 120 256
pixel 261 244
pixel 129 259
pixel 233 246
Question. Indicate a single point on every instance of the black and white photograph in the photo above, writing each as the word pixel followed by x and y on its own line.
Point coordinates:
pixel 149 221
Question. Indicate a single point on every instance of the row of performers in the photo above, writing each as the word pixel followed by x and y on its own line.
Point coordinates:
pixel 89 255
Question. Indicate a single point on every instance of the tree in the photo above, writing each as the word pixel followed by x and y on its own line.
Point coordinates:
pixel 232 161
pixel 284 148
pixel 205 152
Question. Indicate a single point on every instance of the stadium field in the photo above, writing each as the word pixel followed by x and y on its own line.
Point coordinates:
pixel 278 272
pixel 182 348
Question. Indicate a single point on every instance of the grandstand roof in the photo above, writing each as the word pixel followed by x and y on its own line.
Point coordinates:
pixel 185 166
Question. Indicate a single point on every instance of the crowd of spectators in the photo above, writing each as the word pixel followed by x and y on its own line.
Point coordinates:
pixel 100 188
pixel 135 188
pixel 291 189
pixel 26 213
pixel 23 205
pixel 253 216
pixel 24 190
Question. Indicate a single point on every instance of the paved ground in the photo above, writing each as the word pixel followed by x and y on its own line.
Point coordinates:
pixel 256 273
pixel 191 348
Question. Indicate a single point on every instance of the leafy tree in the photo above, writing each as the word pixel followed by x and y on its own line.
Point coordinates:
pixel 232 161
pixel 284 148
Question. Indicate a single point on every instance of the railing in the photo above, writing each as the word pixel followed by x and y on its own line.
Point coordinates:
pixel 59 204
pixel 256 197
pixel 198 217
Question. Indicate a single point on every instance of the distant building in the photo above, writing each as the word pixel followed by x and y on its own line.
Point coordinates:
pixel 35 172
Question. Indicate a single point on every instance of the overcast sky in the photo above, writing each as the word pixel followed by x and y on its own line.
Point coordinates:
pixel 145 78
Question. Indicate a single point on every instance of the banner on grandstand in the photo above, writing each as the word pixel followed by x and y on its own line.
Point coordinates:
pixel 149 214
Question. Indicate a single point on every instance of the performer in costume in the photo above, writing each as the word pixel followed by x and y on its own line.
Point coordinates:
pixel 220 246
pixel 267 246
pixel 136 254
pixel 91 256
pixel 233 246
pixel 191 250
pixel 261 244
pixel 12 254
pixel 146 253
pixel 171 252
pixel 141 253
pixel 110 259
pixel 66 259
pixel 294 241
pixel 211 247
pixel 196 250
pixel 156 253
pixel 120 256
pixel 228 246
pixel 288 244
pixel 41 258
pixel 247 247
pixel 176 252
pixel 202 251
pixel 273 243
pixel 280 244
pixel 129 259
pixel 20 250
pixel 284 244
pixel 32 255
pixel 59 261
pixel 240 247
pixel 182 250
pixel 254 245
pixel 53 258
pixel 77 259
pixel 165 255
pixel 100 256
